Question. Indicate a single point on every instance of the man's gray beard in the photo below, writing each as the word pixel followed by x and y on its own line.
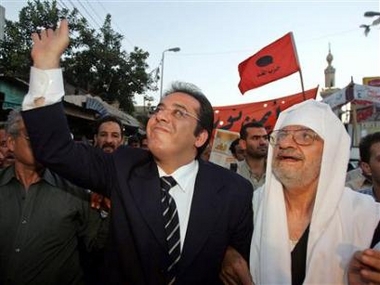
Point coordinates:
pixel 288 181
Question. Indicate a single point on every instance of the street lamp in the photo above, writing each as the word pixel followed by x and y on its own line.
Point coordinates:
pixel 371 14
pixel 176 49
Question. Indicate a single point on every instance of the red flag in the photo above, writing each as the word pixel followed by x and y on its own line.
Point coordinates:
pixel 275 61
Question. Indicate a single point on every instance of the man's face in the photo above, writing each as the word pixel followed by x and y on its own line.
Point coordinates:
pixel 372 168
pixel 256 143
pixel 109 137
pixel 170 130
pixel 295 165
pixel 21 148
pixel 5 153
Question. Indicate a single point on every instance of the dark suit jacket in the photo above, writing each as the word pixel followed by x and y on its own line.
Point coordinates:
pixel 221 211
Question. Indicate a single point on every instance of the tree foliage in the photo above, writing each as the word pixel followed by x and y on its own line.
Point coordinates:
pixel 94 62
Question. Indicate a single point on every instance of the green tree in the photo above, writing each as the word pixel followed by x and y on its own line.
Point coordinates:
pixel 103 68
pixel 16 45
pixel 94 61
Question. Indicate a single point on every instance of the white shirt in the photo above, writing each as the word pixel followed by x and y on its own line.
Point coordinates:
pixel 183 192
pixel 44 83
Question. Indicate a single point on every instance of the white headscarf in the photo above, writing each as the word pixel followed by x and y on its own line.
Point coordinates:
pixel 342 222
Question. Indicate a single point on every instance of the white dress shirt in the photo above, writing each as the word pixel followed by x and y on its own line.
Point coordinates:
pixel 183 192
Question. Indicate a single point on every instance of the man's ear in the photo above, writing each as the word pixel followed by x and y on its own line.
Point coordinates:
pixel 365 168
pixel 201 138
pixel 243 144
pixel 95 140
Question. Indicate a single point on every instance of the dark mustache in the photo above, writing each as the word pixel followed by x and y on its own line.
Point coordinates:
pixel 108 145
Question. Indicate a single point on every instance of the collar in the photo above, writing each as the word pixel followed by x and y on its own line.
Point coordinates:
pixel 9 173
pixel 183 175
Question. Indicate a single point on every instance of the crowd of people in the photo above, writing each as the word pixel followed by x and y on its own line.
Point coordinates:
pixel 153 210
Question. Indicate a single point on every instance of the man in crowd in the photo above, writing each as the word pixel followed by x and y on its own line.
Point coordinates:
pixel 254 142
pixel 207 214
pixel 6 156
pixel 365 267
pixel 109 134
pixel 312 224
pixel 369 148
pixel 108 137
pixel 43 220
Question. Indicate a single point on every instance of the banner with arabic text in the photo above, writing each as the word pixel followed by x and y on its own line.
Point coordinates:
pixel 232 117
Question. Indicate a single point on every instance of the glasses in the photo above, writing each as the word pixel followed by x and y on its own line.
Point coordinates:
pixel 301 136
pixel 177 113
pixel 27 138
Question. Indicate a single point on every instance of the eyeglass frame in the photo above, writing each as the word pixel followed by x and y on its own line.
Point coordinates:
pixel 178 112
pixel 273 139
pixel 26 137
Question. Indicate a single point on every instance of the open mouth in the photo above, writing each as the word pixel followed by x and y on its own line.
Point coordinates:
pixel 288 157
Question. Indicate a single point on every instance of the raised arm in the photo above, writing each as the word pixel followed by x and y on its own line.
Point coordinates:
pixel 46 84
pixel 47 127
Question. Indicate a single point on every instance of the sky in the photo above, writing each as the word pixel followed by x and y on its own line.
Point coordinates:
pixel 215 36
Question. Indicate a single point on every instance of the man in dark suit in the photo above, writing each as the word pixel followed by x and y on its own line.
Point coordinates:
pixel 210 207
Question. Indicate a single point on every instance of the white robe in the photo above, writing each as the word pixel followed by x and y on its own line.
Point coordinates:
pixel 342 222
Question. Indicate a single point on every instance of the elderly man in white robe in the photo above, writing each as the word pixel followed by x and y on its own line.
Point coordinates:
pixel 307 225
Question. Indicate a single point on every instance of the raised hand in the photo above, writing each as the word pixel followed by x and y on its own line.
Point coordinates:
pixel 49 45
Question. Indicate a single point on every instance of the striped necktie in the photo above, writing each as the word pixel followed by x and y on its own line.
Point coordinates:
pixel 171 222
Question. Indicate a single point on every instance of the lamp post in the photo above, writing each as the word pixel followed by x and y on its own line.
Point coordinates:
pixel 176 49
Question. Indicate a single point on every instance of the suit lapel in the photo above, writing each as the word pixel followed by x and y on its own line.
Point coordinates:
pixel 203 215
pixel 145 189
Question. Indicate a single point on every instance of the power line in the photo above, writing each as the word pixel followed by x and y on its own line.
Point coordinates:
pixel 99 17
pixel 62 4
pixel 72 4
pixel 89 14
pixel 116 25
pixel 93 10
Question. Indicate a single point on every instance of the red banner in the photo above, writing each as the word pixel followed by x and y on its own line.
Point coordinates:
pixel 232 117
pixel 275 61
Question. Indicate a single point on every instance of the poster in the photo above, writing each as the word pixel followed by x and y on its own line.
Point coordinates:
pixel 220 152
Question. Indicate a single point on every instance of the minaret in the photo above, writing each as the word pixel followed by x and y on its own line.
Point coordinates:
pixel 329 71
pixel 329 77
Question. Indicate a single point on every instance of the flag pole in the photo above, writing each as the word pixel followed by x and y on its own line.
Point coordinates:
pixel 303 89
pixel 299 67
